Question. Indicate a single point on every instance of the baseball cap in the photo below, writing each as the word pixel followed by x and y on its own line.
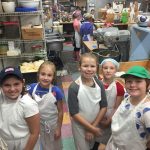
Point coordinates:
pixel 137 71
pixel 10 70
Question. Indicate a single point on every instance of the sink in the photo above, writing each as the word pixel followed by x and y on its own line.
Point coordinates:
pixel 54 42
pixel 54 37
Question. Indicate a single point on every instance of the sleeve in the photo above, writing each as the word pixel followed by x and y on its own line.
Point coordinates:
pixel 72 99
pixel 120 89
pixel 30 107
pixel 57 93
pixel 103 102
pixel 30 88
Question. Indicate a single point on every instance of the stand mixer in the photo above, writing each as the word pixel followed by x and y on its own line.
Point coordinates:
pixel 114 39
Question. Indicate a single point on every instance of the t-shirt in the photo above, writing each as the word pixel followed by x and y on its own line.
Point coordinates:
pixel 86 29
pixel 120 88
pixel 14 125
pixel 40 91
pixel 73 100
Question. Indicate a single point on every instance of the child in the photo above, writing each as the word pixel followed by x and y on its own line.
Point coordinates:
pixel 19 114
pixel 131 121
pixel 77 39
pixel 86 30
pixel 87 103
pixel 114 93
pixel 49 99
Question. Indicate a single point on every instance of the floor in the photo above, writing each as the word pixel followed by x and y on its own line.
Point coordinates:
pixel 72 73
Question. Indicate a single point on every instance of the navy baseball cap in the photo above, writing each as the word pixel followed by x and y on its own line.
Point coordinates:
pixel 10 71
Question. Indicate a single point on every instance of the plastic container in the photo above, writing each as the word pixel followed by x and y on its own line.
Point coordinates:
pixel 11 30
pixel 8 6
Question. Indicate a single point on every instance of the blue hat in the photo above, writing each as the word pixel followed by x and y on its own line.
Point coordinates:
pixel 10 71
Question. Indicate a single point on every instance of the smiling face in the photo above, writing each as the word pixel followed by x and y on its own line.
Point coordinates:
pixel 136 87
pixel 108 70
pixel 46 76
pixel 88 67
pixel 12 87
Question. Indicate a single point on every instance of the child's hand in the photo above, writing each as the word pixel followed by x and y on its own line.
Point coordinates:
pixel 89 136
pixel 57 133
pixel 97 131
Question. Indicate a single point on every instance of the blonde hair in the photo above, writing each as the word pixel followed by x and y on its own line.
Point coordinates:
pixel 48 64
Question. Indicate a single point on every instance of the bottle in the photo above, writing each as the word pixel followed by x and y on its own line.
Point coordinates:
pixel 124 16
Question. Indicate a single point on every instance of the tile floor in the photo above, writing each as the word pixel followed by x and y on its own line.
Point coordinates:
pixel 72 69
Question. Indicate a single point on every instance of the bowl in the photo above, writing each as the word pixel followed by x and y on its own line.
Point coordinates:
pixel 29 4
pixel 8 6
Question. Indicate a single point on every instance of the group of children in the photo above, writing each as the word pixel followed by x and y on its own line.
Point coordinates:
pixel 99 113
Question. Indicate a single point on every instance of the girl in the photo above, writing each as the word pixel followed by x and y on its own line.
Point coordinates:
pixel 114 93
pixel 49 99
pixel 77 39
pixel 87 103
pixel 19 114
pixel 131 121
pixel 86 30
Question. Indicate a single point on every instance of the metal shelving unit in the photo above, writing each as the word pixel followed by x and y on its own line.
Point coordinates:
pixel 19 41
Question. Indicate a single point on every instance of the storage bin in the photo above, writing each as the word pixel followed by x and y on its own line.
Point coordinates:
pixel 11 30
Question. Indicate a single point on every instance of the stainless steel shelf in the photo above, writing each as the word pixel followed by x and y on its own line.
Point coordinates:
pixel 22 13
pixel 5 41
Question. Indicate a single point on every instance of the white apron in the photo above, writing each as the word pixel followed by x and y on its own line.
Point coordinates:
pixel 88 98
pixel 111 93
pixel 8 121
pixel 48 118
pixel 77 39
pixel 124 120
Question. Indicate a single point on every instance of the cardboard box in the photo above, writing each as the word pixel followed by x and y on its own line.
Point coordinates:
pixel 32 33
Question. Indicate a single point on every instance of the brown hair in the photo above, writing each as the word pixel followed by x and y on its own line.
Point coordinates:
pixel 47 64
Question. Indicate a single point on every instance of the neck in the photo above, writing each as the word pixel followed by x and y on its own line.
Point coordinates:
pixel 136 100
pixel 88 82
pixel 108 81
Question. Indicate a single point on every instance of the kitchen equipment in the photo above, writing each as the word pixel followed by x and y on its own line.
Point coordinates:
pixel 8 6
pixel 122 39
pixel 29 4
pixel 99 34
pixel 54 42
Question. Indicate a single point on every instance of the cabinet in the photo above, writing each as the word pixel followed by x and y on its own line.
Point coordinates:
pixel 23 34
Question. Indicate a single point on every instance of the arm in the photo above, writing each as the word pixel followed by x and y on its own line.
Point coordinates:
pixel 74 109
pixel 86 124
pixel 100 116
pixel 34 129
pixel 60 119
